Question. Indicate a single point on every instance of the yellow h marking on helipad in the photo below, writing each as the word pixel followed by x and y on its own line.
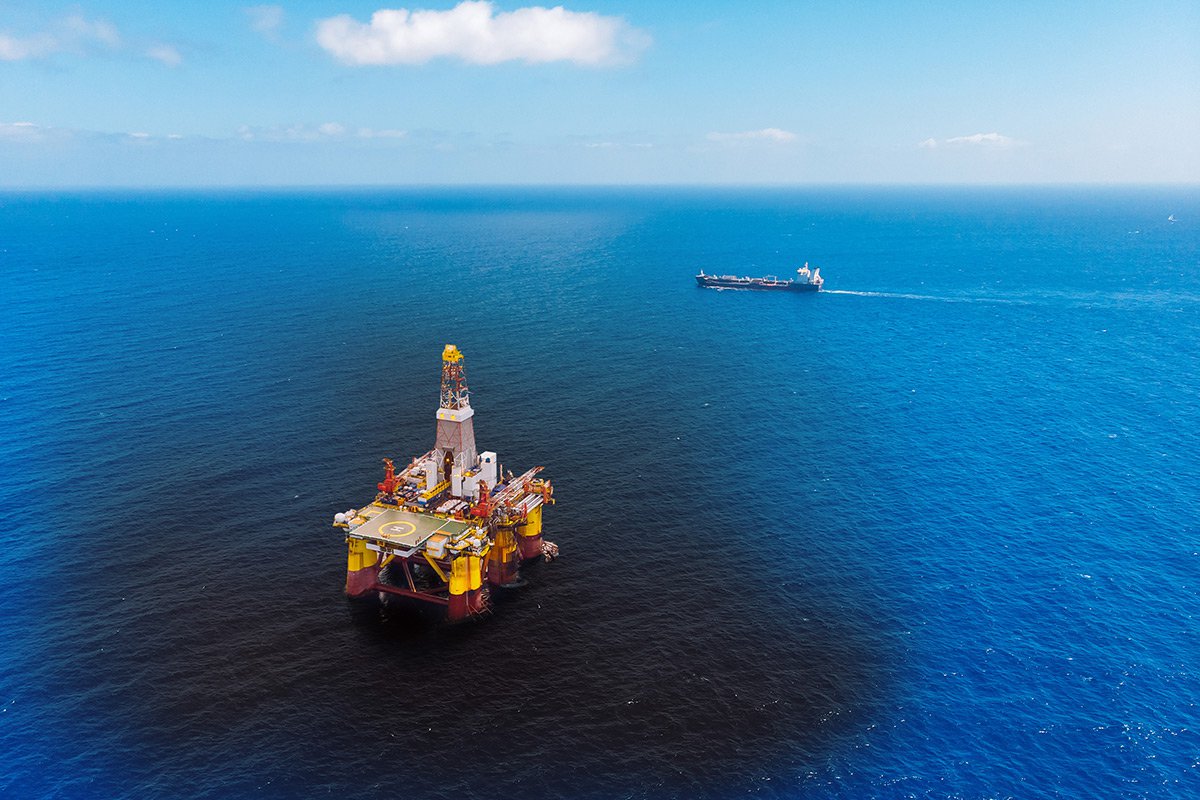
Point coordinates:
pixel 401 528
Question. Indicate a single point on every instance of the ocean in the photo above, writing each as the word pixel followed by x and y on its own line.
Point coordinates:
pixel 929 533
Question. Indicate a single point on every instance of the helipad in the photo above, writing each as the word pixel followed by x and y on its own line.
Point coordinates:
pixel 406 529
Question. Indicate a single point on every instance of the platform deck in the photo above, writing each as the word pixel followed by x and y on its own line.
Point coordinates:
pixel 407 529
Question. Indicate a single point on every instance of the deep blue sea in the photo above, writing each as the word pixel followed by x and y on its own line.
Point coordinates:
pixel 934 532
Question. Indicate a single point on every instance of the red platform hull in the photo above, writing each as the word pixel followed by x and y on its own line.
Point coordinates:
pixel 361 582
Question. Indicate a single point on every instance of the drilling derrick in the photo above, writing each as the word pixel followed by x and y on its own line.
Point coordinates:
pixel 455 443
pixel 450 527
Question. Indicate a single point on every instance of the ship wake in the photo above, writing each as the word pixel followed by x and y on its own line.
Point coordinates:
pixel 933 297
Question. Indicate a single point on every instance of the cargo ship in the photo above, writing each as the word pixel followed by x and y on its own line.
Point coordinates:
pixel 806 280
pixel 451 526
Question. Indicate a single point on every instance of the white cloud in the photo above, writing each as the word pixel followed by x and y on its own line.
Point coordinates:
pixel 20 131
pixel 386 133
pixel 74 33
pixel 990 140
pixel 166 54
pixel 618 145
pixel 265 19
pixel 476 33
pixel 78 35
pixel 982 138
pixel 13 48
pixel 85 30
pixel 292 133
pixel 31 133
pixel 764 135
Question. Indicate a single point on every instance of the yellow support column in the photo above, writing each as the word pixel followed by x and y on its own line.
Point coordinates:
pixel 502 558
pixel 474 583
pixel 529 534
pixel 362 568
pixel 460 583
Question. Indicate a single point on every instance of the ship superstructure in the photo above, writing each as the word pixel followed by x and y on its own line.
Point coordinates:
pixel 806 280
pixel 451 525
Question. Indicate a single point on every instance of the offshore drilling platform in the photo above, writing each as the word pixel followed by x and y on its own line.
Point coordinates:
pixel 451 525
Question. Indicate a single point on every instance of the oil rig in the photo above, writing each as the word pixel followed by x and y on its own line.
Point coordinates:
pixel 452 525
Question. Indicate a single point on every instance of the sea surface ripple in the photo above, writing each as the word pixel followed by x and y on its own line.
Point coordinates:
pixel 930 533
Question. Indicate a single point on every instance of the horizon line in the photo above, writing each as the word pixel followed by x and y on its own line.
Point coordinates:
pixel 295 187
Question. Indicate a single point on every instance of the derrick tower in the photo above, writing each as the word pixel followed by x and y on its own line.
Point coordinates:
pixel 455 430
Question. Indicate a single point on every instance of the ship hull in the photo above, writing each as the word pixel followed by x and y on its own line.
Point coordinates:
pixel 710 282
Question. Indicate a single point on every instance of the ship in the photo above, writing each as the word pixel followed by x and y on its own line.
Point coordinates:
pixel 445 531
pixel 806 280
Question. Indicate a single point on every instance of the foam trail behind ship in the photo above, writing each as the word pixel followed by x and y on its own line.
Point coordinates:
pixel 936 298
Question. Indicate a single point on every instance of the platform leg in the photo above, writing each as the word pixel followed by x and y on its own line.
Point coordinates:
pixel 503 558
pixel 529 535
pixel 475 598
pixel 362 569
pixel 460 582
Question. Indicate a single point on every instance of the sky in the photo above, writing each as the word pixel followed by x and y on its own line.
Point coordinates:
pixel 119 93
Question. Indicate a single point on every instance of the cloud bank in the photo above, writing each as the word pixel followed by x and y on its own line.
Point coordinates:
pixel 13 48
pixel 32 133
pixel 993 140
pixel 265 18
pixel 75 34
pixel 80 36
pixel 476 33
pixel 325 132
pixel 166 54
pixel 765 135
pixel 20 132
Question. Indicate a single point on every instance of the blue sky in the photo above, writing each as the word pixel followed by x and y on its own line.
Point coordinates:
pixel 110 93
